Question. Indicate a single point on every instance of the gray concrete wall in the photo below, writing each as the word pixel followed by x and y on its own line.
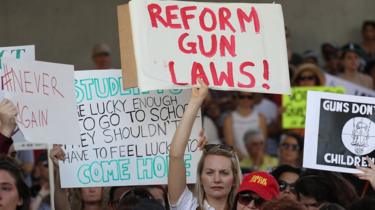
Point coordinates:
pixel 65 30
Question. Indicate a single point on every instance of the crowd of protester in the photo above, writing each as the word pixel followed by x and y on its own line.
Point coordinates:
pixel 248 161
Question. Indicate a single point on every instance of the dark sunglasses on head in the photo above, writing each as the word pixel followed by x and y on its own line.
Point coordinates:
pixel 304 78
pixel 294 147
pixel 284 185
pixel 208 147
pixel 246 198
pixel 246 97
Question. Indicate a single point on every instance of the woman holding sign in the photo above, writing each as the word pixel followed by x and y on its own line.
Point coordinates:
pixel 218 173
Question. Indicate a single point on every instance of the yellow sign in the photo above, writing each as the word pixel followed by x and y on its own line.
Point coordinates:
pixel 294 105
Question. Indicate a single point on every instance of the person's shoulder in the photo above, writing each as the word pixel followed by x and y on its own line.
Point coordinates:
pixel 271 160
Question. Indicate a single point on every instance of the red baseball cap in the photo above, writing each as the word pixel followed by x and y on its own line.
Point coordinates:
pixel 262 184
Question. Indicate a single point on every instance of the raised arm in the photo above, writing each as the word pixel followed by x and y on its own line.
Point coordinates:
pixel 60 195
pixel 177 170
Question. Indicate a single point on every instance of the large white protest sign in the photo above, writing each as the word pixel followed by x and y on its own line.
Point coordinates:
pixel 125 134
pixel 16 52
pixel 339 133
pixel 351 88
pixel 44 96
pixel 231 46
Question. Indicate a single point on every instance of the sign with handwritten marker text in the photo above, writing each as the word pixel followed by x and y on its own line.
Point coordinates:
pixel 231 46
pixel 44 96
pixel 16 52
pixel 294 105
pixel 125 134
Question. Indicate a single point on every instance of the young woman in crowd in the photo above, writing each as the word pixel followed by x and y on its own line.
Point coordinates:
pixel 287 176
pixel 14 193
pixel 82 198
pixel 290 149
pixel 256 189
pixel 218 172
pixel 241 120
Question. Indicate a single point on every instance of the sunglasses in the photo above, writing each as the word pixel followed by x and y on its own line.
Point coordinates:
pixel 294 147
pixel 209 147
pixel 284 185
pixel 304 78
pixel 246 198
pixel 250 97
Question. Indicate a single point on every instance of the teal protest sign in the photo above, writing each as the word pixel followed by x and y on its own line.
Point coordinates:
pixel 125 134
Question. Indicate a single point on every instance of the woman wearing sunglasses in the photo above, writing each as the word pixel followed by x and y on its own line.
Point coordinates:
pixel 308 75
pixel 290 149
pixel 255 190
pixel 218 172
pixel 287 176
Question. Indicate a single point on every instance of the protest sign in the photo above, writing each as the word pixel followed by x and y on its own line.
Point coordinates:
pixel 294 105
pixel 351 88
pixel 339 133
pixel 44 96
pixel 231 46
pixel 17 52
pixel 125 134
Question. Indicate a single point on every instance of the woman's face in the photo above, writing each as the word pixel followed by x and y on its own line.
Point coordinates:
pixel 92 194
pixel 286 182
pixel 307 79
pixel 245 100
pixel 9 197
pixel 217 176
pixel 289 150
pixel 249 201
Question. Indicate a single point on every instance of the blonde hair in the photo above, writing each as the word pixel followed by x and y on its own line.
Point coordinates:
pixel 237 176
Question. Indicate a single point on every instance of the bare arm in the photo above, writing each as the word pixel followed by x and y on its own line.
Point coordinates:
pixel 177 170
pixel 263 125
pixel 60 195
pixel 228 130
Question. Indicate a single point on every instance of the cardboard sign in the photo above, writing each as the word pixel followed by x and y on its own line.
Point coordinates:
pixel 125 134
pixel 230 46
pixel 294 105
pixel 17 52
pixel 351 88
pixel 44 96
pixel 339 133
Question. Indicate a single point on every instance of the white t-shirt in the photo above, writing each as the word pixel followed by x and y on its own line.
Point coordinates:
pixel 187 201
pixel 241 125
